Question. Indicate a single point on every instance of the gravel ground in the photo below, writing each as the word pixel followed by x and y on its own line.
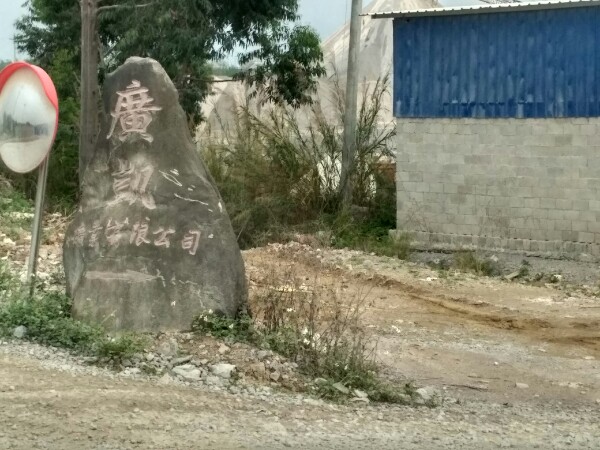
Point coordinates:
pixel 51 400
pixel 579 273
pixel 463 331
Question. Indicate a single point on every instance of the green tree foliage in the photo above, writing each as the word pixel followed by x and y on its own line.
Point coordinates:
pixel 185 36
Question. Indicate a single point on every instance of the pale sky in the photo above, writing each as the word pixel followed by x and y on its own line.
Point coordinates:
pixel 326 16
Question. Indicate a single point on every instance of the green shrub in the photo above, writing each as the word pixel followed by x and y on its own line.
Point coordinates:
pixel 123 346
pixel 276 174
pixel 48 321
pixel 7 281
pixel 469 262
pixel 524 270
pixel 315 327
pixel 47 317
pixel 15 210
pixel 370 236
pixel 223 327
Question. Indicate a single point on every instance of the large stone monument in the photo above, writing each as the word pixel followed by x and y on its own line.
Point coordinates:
pixel 151 246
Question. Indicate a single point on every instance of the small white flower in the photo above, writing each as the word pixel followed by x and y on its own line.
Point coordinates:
pixel 290 310
pixel 231 327
pixel 210 311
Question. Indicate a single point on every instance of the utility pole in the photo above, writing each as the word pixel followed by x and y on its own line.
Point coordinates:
pixel 349 149
pixel 88 119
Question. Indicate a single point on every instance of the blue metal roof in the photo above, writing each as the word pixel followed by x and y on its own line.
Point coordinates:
pixel 523 63
pixel 484 9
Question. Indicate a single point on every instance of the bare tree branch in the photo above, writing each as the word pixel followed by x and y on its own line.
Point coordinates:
pixel 107 8
pixel 212 80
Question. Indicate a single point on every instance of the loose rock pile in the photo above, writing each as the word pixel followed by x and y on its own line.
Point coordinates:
pixel 15 249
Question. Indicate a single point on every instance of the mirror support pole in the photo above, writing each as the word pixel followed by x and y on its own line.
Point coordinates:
pixel 36 234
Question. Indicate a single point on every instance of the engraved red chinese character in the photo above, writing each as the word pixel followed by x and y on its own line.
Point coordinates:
pixel 95 234
pixel 114 231
pixel 133 112
pixel 130 184
pixel 191 241
pixel 163 237
pixel 140 233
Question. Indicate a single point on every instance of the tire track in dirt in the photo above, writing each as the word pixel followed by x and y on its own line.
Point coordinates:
pixel 558 331
pixel 546 328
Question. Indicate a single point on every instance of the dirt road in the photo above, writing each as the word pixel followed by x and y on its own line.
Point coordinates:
pixel 473 337
pixel 42 408
pixel 519 366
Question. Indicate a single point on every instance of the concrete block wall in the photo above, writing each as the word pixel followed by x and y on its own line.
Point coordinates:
pixel 523 185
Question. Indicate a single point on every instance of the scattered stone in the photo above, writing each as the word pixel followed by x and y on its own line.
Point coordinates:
pixel 212 380
pixel 360 394
pixel 223 349
pixel 169 348
pixel 222 370
pixel 360 400
pixel 89 360
pixel 522 385
pixel 263 354
pixel 320 381
pixel 166 379
pixel 188 372
pixel 149 357
pixel 426 394
pixel 341 388
pixel 182 360
pixel 20 332
pixel 275 428
pixel 257 370
pixel 275 376
pixel 405 399
pixel 589 358
pixel 313 402
pixel 151 245
pixel 8 242
pixel 512 276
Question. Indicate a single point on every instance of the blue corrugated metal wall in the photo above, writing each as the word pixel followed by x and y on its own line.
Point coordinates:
pixel 516 64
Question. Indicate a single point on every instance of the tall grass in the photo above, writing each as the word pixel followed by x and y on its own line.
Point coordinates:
pixel 319 325
pixel 278 168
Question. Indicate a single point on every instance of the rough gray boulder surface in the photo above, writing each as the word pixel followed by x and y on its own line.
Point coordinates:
pixel 151 245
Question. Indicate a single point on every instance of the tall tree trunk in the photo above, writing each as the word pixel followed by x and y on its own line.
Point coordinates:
pixel 89 84
pixel 349 150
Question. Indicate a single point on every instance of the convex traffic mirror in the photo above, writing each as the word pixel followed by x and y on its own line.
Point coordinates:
pixel 28 124
pixel 28 116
